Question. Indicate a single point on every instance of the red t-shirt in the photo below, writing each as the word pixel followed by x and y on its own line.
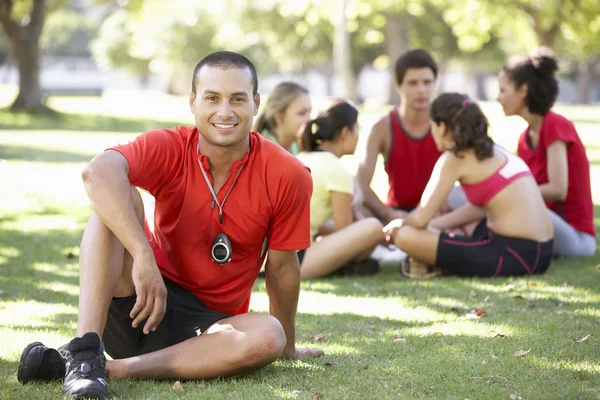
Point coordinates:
pixel 409 165
pixel 578 208
pixel 270 199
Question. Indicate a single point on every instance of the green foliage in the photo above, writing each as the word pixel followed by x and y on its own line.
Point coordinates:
pixel 571 26
pixel 155 37
pixel 384 336
pixel 67 33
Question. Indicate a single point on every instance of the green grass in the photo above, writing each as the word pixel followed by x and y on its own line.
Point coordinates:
pixel 446 352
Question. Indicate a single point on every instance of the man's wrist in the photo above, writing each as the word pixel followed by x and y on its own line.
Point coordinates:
pixel 389 214
pixel 144 252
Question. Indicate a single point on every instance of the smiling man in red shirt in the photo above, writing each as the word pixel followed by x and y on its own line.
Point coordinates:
pixel 174 304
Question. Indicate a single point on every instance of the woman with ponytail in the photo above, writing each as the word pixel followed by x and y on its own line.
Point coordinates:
pixel 515 236
pixel 284 114
pixel 344 247
pixel 552 149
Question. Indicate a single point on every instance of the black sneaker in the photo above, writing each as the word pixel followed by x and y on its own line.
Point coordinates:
pixel 359 268
pixel 41 363
pixel 86 368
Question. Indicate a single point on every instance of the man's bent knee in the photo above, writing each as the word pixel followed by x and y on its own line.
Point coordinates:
pixel 265 344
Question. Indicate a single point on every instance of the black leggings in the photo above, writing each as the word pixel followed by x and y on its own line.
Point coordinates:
pixel 489 254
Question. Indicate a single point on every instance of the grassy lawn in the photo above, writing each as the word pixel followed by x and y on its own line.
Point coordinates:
pixel 384 336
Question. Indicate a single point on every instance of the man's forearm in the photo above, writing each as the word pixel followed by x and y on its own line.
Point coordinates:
pixel 374 204
pixel 111 198
pixel 283 288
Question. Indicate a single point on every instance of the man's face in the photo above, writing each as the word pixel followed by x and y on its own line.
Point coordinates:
pixel 223 105
pixel 417 87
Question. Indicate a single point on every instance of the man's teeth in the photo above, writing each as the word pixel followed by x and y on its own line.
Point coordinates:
pixel 224 126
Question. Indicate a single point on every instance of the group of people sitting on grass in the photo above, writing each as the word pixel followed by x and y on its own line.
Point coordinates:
pixel 508 215
pixel 171 300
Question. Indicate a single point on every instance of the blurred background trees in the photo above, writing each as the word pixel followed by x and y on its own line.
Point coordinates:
pixel 292 37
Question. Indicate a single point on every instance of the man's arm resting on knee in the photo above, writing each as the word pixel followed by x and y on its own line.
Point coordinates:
pixel 110 193
pixel 109 190
pixel 366 169
pixel 283 287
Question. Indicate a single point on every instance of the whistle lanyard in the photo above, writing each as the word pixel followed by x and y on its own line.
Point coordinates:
pixel 212 190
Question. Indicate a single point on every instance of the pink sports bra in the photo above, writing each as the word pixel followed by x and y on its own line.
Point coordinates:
pixel 481 193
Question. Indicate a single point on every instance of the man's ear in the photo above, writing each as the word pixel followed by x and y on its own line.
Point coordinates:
pixel 256 103
pixel 192 99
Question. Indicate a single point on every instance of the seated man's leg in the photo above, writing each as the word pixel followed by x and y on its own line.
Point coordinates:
pixel 105 272
pixel 231 347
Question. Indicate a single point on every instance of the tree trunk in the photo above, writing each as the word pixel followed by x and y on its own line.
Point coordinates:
pixel 585 79
pixel 342 54
pixel 396 44
pixel 25 45
pixel 547 37
pixel 27 54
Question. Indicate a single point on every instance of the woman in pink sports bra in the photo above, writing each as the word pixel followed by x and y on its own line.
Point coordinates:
pixel 515 236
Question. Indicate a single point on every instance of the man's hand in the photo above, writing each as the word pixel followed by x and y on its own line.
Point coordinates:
pixel 391 229
pixel 151 293
pixel 300 353
pixel 395 214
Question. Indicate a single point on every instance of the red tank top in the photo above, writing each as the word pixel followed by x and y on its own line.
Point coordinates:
pixel 481 193
pixel 409 165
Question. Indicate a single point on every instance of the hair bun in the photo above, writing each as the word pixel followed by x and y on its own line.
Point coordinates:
pixel 544 61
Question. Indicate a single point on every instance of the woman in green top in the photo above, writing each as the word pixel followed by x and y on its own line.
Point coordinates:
pixel 284 114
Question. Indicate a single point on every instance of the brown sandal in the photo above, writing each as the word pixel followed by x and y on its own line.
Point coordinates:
pixel 413 269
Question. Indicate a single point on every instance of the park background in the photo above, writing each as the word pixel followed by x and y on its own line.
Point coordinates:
pixel 78 76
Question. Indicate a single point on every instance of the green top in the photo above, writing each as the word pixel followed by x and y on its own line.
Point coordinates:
pixel 268 135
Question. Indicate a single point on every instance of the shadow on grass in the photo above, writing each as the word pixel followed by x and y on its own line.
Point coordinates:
pixel 23 153
pixel 81 122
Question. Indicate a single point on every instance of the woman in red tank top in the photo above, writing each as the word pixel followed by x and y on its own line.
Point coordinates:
pixel 515 236
pixel 552 149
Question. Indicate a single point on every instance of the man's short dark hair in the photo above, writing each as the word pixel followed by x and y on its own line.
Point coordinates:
pixel 418 58
pixel 226 59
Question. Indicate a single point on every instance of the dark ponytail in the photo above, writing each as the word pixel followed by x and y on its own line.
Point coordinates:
pixel 467 123
pixel 536 70
pixel 328 125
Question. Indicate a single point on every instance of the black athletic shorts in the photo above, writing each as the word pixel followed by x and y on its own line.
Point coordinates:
pixel 301 254
pixel 487 253
pixel 185 318
pixel 404 208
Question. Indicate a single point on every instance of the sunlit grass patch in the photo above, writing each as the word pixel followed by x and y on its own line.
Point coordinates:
pixel 384 336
